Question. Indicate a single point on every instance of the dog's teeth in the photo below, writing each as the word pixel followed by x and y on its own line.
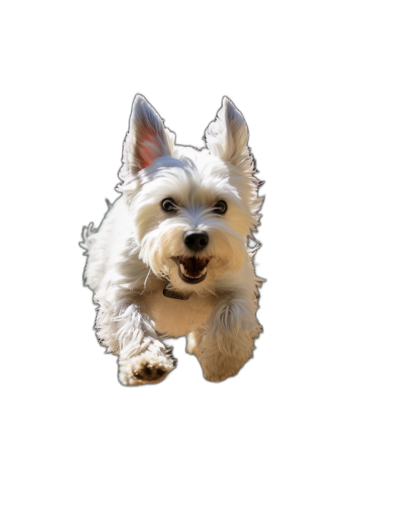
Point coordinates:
pixel 183 270
pixel 201 272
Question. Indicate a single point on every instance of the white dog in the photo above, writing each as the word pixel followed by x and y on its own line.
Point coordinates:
pixel 171 256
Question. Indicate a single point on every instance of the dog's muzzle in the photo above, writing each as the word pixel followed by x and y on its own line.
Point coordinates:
pixel 192 269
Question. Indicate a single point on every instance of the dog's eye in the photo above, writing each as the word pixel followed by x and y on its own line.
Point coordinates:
pixel 220 207
pixel 168 205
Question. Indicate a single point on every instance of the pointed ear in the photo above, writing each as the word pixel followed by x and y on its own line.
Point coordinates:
pixel 147 138
pixel 227 137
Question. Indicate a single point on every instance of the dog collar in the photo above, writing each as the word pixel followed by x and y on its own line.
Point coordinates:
pixel 171 293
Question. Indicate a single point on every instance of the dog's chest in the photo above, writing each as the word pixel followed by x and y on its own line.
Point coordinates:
pixel 177 318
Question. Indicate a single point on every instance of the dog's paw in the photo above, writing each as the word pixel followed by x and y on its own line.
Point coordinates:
pixel 218 366
pixel 219 376
pixel 145 369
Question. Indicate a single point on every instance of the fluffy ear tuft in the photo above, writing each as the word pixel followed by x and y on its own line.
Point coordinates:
pixel 147 138
pixel 227 137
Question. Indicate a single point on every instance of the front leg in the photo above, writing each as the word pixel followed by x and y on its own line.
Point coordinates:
pixel 227 342
pixel 130 334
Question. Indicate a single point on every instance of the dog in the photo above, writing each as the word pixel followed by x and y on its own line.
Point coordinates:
pixel 172 256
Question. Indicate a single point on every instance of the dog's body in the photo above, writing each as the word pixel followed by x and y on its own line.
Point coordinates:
pixel 171 256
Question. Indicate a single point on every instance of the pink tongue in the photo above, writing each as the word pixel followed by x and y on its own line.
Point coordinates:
pixel 193 265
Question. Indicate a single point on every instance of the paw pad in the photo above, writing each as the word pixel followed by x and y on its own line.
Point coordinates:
pixel 149 373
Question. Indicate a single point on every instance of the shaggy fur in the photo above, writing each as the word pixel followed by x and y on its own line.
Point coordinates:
pixel 140 248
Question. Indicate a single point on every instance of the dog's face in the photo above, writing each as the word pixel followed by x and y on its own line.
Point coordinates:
pixel 192 211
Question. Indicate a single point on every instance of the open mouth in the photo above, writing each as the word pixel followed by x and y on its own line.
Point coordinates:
pixel 192 269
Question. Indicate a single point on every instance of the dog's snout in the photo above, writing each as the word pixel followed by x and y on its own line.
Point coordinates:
pixel 196 240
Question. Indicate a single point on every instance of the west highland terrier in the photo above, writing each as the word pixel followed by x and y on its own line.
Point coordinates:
pixel 172 255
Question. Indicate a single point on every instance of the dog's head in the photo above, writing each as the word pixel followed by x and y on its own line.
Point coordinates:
pixel 192 210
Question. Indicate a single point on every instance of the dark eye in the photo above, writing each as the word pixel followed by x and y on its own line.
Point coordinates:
pixel 168 205
pixel 220 207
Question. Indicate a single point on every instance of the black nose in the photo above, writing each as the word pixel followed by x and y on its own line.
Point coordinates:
pixel 196 240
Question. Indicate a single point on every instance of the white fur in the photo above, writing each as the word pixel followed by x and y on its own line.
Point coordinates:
pixel 130 254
